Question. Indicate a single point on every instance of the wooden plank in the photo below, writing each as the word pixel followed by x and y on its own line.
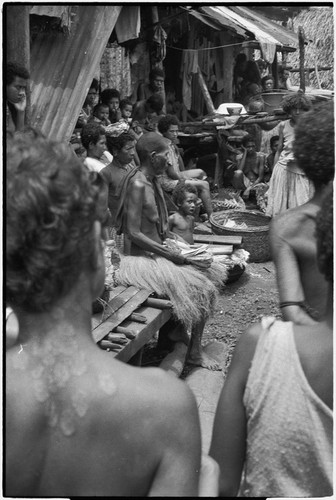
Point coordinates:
pixel 144 332
pixel 117 301
pixel 218 239
pixel 121 313
pixel 101 316
pixel 221 250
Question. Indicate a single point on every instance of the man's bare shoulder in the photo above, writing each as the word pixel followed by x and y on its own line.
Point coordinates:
pixel 292 221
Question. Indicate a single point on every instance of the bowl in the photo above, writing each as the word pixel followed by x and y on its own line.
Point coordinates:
pixel 234 110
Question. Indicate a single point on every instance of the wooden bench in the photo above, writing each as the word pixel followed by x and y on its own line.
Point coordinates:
pixel 133 314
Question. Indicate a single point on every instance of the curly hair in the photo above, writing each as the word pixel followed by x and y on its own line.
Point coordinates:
pixel 99 106
pixel 314 144
pixel 13 70
pixel 52 203
pixel 91 133
pixel 325 236
pixel 296 101
pixel 180 191
pixel 117 143
pixel 166 121
pixel 248 138
pixel 156 72
pixel 125 102
pixel 273 139
pixel 107 95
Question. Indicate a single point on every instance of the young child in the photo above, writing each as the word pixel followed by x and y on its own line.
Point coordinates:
pixel 250 168
pixel 100 114
pixel 126 109
pixel 289 186
pixel 182 222
pixel 268 169
pixel 111 97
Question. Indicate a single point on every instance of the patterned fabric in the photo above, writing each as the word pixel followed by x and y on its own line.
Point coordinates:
pixel 290 429
pixel 115 70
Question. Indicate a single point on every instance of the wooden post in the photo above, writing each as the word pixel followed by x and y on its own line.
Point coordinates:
pixel 208 101
pixel 155 19
pixel 301 54
pixel 18 41
pixel 317 76
pixel 275 70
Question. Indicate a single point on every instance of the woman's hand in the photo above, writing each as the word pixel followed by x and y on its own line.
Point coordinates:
pixel 21 105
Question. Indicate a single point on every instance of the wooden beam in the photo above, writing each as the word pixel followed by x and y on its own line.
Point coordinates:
pixel 218 239
pixel 301 54
pixel 18 41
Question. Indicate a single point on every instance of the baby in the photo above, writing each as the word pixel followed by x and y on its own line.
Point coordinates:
pixel 126 109
pixel 182 222
pixel 100 114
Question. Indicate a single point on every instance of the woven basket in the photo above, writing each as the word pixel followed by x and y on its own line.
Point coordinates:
pixel 255 236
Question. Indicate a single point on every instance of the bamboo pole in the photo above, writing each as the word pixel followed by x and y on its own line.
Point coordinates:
pixel 317 76
pixel 301 55
pixel 207 98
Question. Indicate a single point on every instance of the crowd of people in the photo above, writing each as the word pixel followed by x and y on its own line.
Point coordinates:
pixel 79 423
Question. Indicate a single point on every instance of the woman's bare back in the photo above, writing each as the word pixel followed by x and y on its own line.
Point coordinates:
pixel 79 425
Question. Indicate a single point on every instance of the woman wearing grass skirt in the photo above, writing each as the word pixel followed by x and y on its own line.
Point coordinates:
pixel 150 264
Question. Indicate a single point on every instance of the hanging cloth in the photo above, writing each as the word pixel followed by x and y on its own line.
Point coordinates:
pixel 268 51
pixel 128 24
pixel 159 39
pixel 189 66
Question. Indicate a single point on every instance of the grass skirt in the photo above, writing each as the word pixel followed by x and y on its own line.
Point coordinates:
pixel 191 291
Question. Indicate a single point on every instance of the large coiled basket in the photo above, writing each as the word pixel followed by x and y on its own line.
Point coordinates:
pixel 254 237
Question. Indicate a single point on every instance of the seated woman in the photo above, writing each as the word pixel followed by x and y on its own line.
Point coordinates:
pixel 168 126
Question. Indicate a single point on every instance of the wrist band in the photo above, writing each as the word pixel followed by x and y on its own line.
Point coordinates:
pixel 291 303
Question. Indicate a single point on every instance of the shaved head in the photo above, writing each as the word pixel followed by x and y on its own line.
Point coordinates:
pixel 151 142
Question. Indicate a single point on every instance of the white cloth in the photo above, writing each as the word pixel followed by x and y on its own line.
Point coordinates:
pixel 289 428
pixel 96 165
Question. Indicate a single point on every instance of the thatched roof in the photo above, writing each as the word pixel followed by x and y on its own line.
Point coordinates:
pixel 318 25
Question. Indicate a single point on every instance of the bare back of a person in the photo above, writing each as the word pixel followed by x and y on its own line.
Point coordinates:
pixel 77 422
pixel 297 228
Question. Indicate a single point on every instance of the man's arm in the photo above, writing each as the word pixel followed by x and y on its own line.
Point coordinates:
pixel 288 274
pixel 179 467
pixel 228 445
pixel 261 168
pixel 134 217
pixel 280 145
pixel 241 162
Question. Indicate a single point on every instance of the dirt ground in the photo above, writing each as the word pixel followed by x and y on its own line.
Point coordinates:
pixel 243 302
pixel 239 304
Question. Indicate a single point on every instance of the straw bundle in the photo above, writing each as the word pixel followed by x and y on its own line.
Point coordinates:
pixel 318 26
pixel 192 294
